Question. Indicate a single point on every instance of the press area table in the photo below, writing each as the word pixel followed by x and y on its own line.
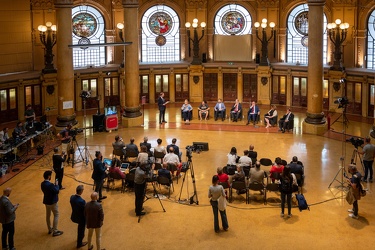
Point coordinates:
pixel 11 148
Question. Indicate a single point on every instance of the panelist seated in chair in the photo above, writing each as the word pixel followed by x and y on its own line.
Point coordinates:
pixel 203 110
pixel 186 111
pixel 236 110
pixel 219 110
pixel 132 147
pixel 164 172
pixel 115 168
pixel 19 131
pixel 270 117
pixel 284 122
pixel 253 113
pixel 119 145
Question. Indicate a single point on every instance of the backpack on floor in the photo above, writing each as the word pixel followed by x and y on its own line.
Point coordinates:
pixel 302 204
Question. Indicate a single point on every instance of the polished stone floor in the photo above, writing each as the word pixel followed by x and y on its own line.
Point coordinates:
pixel 184 226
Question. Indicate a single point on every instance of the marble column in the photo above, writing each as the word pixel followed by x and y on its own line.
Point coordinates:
pixel 132 87
pixel 65 71
pixel 315 67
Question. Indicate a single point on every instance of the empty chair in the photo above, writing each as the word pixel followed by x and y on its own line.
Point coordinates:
pixel 240 186
pixel 161 180
pixel 273 187
pixel 256 186
pixel 265 162
pixel 224 184
pixel 119 153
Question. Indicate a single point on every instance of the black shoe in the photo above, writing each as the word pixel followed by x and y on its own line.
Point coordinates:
pixel 99 201
pixel 141 213
pixel 283 131
pixel 215 119
pixel 165 121
pixel 57 233
pixel 103 197
pixel 83 244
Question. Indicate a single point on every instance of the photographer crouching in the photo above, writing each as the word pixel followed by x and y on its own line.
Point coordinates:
pixel 141 175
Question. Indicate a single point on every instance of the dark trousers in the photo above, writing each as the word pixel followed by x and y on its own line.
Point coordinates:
pixel 251 117
pixel 59 177
pixel 355 208
pixel 81 232
pixel 162 115
pixel 220 113
pixel 223 215
pixel 186 115
pixel 283 124
pixel 139 190
pixel 8 230
pixel 99 187
pixel 288 201
pixel 368 168
pixel 235 115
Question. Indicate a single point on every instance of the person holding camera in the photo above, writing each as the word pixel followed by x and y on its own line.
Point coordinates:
pixel 66 138
pixel 140 188
pixel 99 174
pixel 368 152
pixel 58 166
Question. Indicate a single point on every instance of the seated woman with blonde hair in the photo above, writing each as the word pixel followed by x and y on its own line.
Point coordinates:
pixel 271 117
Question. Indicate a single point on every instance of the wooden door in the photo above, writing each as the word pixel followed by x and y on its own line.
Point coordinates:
pixel 111 91
pixel 210 86
pixel 299 92
pixel 33 97
pixel 162 85
pixel 90 85
pixel 371 99
pixel 182 87
pixel 325 95
pixel 144 82
pixel 230 86
pixel 8 105
pixel 250 87
pixel 279 90
pixel 354 95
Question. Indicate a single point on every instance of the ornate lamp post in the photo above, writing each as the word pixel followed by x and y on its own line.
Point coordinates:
pixel 264 40
pixel 120 27
pixel 195 40
pixel 337 38
pixel 47 37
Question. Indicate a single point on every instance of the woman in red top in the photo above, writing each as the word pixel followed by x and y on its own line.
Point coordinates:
pixel 222 176
pixel 276 168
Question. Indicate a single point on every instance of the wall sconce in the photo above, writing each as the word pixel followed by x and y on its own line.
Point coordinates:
pixel 337 38
pixel 264 40
pixel 195 40
pixel 48 38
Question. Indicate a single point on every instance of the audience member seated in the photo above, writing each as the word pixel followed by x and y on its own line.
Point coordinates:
pixel 164 172
pixel 296 167
pixel 277 167
pixel 143 155
pixel 253 154
pixel 253 113
pixel 18 131
pixel 203 110
pixel 257 174
pixel 119 145
pixel 232 157
pixel 245 160
pixel 187 111
pixel 219 110
pixel 239 176
pixel 148 145
pixel 223 177
pixel 172 158
pixel 271 117
pixel 132 147
pixel 175 148
pixel 159 148
pixel 115 167
pixel 236 111
pixel 4 137
pixel 284 122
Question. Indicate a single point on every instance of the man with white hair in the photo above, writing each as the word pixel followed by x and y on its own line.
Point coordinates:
pixel 7 217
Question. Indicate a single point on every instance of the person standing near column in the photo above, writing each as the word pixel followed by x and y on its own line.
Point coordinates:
pixel 99 174
pixel 7 217
pixel 162 107
pixel 94 218
pixel 50 199
pixel 368 153
pixel 58 166
pixel 78 214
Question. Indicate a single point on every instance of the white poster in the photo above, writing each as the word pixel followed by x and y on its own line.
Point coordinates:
pixel 68 105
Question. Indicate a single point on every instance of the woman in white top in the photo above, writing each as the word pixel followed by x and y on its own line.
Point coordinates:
pixel 232 156
pixel 215 192
pixel 270 116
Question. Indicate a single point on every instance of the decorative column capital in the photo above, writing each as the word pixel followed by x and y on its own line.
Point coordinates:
pixel 130 3
pixel 316 2
pixel 63 3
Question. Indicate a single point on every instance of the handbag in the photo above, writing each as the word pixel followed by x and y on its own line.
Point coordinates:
pixel 222 203
pixel 349 196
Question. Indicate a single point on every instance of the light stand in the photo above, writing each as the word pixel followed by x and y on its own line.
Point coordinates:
pixel 189 166
pixel 337 38
pixel 196 58
pixel 264 40
pixel 87 156
pixel 47 37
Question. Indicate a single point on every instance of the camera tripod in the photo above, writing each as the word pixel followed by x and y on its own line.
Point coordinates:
pixel 194 197
pixel 355 156
pixel 146 198
pixel 84 154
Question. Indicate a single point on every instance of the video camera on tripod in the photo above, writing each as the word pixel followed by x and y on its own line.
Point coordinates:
pixel 189 151
pixel 75 131
pixel 356 142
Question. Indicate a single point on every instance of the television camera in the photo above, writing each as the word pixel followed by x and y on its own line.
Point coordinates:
pixel 342 102
pixel 189 151
pixel 356 142
pixel 73 132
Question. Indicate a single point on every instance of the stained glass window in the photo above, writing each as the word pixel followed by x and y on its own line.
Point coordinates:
pixel 371 41
pixel 88 28
pixel 160 35
pixel 232 19
pixel 297 36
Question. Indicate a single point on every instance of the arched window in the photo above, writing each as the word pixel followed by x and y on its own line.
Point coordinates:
pixel 88 28
pixel 232 19
pixel 160 35
pixel 297 35
pixel 371 41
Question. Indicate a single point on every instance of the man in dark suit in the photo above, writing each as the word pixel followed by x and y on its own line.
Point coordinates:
pixel 132 147
pixel 147 145
pixel 7 217
pixel 296 167
pixel 50 199
pixel 78 214
pixel 164 172
pixel 252 154
pixel 284 122
pixel 175 147
pixel 99 174
pixel 162 106
pixel 94 218
pixel 58 165
pixel 236 110
pixel 253 113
